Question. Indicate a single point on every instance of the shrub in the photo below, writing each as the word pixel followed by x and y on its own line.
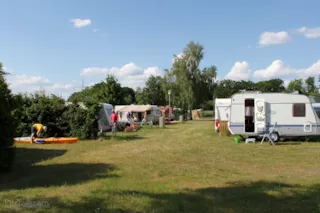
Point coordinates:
pixel 52 111
pixel 7 105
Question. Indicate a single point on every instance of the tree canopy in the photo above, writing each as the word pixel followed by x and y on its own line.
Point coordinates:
pixel 8 123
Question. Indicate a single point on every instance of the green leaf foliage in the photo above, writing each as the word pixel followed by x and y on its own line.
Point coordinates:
pixel 7 105
pixel 108 91
pixel 61 119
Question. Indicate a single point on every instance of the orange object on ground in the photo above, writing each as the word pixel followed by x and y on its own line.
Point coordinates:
pixel 46 140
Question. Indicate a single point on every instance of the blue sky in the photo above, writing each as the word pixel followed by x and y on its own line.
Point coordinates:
pixel 41 45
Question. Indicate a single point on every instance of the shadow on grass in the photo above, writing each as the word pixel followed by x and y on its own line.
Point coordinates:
pixel 258 196
pixel 287 143
pixel 28 156
pixel 237 197
pixel 27 174
pixel 122 137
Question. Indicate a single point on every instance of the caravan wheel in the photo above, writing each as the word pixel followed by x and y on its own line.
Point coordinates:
pixel 275 136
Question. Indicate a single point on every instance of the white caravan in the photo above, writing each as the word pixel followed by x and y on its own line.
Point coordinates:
pixel 291 115
pixel 104 120
pixel 153 112
pixel 105 123
pixel 221 110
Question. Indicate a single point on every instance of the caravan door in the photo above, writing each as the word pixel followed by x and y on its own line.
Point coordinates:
pixel 260 116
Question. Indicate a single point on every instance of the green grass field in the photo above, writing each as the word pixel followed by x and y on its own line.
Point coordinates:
pixel 182 168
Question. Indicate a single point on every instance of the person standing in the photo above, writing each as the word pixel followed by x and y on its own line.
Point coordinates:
pixel 114 119
pixel 129 117
pixel 145 116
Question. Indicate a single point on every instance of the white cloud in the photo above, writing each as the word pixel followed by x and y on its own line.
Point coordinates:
pixel 274 38
pixel 310 32
pixel 62 86
pixel 313 71
pixel 240 71
pixel 30 84
pixel 276 69
pixel 177 57
pixel 129 74
pixel 94 71
pixel 78 23
pixel 152 71
pixel 95 30
pixel 5 69
pixel 127 69
pixel 25 80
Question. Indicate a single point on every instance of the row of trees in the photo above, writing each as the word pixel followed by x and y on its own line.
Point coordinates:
pixel 195 88
pixel 226 88
pixel 191 87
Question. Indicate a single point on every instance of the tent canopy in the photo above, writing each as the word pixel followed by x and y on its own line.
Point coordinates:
pixel 136 108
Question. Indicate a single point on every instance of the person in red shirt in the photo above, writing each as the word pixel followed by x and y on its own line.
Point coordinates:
pixel 114 119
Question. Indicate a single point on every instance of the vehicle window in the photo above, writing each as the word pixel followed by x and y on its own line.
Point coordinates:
pixel 299 110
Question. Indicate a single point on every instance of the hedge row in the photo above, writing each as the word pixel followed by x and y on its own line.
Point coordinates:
pixel 61 119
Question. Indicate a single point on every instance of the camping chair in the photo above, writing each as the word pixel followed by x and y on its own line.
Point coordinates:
pixel 267 135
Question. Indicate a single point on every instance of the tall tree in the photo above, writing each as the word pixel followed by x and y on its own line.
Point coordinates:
pixel 128 96
pixel 193 54
pixel 188 76
pixel 109 91
pixel 140 96
pixel 273 85
pixel 154 91
pixel 169 83
pixel 209 76
pixel 226 88
pixel 2 72
pixel 296 85
pixel 309 85
pixel 7 105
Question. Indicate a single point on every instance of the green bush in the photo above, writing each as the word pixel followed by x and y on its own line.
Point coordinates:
pixel 52 111
pixel 7 105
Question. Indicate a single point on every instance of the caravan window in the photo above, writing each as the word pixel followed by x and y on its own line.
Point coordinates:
pixel 299 110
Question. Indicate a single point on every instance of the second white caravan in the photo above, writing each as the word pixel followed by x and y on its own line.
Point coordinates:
pixel 221 110
pixel 255 114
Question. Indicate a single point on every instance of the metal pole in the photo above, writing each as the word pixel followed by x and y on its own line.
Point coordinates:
pixel 169 109
pixel 169 92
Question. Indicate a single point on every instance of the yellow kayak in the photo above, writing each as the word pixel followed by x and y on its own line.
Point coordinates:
pixel 46 140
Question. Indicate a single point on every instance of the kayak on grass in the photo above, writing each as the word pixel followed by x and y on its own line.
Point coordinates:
pixel 46 140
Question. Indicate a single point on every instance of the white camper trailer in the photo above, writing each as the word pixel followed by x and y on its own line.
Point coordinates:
pixel 153 112
pixel 104 121
pixel 289 115
pixel 221 111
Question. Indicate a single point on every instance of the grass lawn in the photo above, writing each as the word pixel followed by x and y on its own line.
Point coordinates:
pixel 182 168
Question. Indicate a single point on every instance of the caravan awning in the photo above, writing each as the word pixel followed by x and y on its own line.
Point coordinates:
pixel 134 108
